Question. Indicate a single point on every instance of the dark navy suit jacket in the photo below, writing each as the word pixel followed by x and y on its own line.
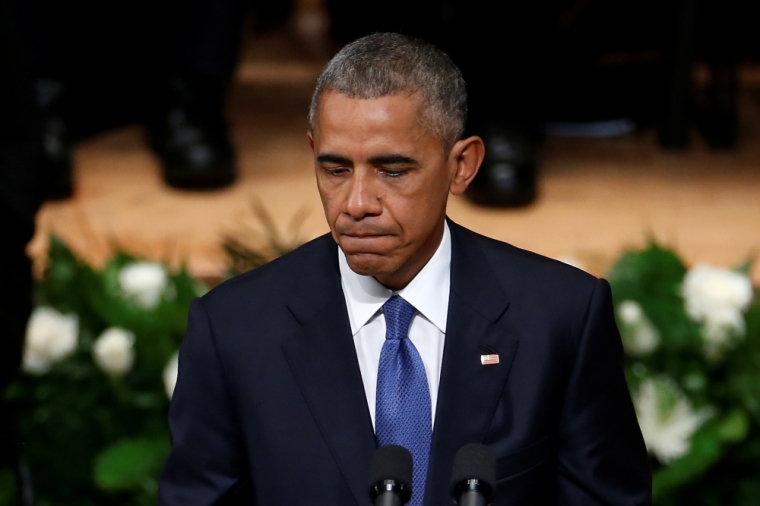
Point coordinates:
pixel 269 407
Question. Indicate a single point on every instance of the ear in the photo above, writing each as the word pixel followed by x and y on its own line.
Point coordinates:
pixel 467 155
pixel 311 140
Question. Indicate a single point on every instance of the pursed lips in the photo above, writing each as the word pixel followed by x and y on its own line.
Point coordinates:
pixel 362 242
pixel 362 236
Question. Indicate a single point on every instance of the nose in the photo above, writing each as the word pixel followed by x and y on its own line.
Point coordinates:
pixel 363 198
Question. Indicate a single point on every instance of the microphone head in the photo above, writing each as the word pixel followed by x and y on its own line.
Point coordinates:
pixel 391 462
pixel 474 462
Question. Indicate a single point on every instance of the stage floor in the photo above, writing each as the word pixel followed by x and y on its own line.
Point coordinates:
pixel 597 197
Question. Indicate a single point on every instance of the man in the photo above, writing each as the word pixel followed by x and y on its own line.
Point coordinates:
pixel 410 330
pixel 164 63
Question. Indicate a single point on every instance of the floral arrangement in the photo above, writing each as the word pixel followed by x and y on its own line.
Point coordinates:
pixel 100 366
pixel 692 339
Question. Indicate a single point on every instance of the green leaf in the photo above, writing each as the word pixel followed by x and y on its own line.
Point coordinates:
pixel 734 427
pixel 653 277
pixel 746 266
pixel 130 463
pixel 705 451
pixel 7 488
pixel 244 255
pixel 653 271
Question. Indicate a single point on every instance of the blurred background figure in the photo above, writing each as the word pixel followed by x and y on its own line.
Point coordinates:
pixel 500 48
pixel 567 67
pixel 581 68
pixel 512 54
pixel 165 64
pixel 21 164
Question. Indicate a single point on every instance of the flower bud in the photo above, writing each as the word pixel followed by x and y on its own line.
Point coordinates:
pixel 114 351
pixel 143 282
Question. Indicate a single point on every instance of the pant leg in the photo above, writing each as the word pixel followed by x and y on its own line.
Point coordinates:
pixel 501 48
pixel 208 35
pixel 350 20
pixel 20 189
pixel 498 46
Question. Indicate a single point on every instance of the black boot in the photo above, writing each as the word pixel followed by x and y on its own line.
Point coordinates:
pixel 507 177
pixel 57 140
pixel 190 135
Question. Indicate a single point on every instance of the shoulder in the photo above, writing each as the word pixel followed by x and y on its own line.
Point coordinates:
pixel 546 297
pixel 506 258
pixel 529 277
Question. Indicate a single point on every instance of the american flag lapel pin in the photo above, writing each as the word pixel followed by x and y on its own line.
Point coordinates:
pixel 491 359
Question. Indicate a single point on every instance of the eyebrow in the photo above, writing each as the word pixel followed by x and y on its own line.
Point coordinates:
pixel 392 159
pixel 386 159
pixel 333 158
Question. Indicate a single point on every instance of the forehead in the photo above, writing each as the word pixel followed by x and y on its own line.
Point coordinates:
pixel 357 121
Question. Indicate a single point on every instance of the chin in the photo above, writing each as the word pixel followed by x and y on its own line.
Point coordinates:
pixel 369 264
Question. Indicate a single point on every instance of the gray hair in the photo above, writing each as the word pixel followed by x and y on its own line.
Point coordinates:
pixel 384 64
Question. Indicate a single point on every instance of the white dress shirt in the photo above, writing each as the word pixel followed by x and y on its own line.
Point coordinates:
pixel 428 292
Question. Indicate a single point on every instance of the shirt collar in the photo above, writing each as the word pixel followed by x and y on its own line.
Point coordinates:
pixel 428 292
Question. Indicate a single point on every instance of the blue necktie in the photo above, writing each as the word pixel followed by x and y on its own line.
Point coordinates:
pixel 402 408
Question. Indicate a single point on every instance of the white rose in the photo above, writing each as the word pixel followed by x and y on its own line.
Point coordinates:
pixel 640 336
pixel 630 312
pixel 170 375
pixel 144 282
pixel 50 337
pixel 644 339
pixel 114 351
pixel 666 418
pixel 721 325
pixel 708 290
pixel 716 298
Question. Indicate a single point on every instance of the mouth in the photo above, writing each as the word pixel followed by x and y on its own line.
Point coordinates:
pixel 358 243
pixel 362 236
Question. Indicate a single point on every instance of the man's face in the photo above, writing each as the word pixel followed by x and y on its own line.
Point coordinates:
pixel 384 182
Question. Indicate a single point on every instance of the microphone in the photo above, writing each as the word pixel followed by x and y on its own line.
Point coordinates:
pixel 474 476
pixel 390 481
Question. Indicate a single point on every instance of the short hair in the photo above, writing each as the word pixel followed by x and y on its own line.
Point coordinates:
pixel 384 64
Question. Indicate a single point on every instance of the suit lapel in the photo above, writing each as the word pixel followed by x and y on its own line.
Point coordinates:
pixel 469 391
pixel 323 361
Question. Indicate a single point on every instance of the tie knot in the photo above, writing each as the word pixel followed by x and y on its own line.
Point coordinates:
pixel 398 315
